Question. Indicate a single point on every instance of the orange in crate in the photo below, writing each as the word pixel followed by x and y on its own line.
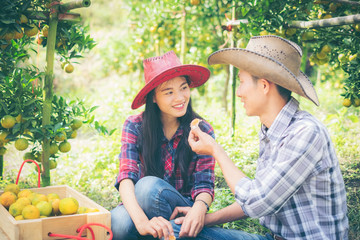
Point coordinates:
pixel 35 229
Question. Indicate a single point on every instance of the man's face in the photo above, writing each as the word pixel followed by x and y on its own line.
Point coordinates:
pixel 251 94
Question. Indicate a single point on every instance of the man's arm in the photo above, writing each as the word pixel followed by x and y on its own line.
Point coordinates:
pixel 202 143
pixel 230 213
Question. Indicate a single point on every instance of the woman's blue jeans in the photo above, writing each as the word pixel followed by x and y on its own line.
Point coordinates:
pixel 158 198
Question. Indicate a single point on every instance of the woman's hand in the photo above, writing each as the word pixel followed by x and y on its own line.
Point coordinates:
pixel 157 227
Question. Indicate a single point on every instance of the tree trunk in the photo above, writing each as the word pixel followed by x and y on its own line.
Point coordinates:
pixel 1 166
pixel 183 35
pixel 233 76
pixel 226 88
pixel 48 93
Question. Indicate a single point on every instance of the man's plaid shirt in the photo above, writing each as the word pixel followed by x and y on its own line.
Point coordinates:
pixel 298 191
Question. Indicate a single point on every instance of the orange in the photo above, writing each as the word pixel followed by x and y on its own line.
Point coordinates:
pixel 16 209
pixel 326 49
pixel 44 207
pixel 52 196
pixel 356 102
pixel 45 30
pixel 20 217
pixel 18 35
pixel 12 188
pixel 60 136
pixel 69 68
pixel 32 31
pixel 82 210
pixel 29 155
pixel 21 144
pixel 3 135
pixel 7 198
pixel 38 198
pixel 68 206
pixel 53 148
pixel 76 124
pixel 55 206
pixel 90 210
pixel 73 134
pixel 23 200
pixel 195 2
pixel 52 164
pixel 346 102
pixel 8 121
pixel 23 19
pixel 2 151
pixel 30 212
pixel 65 147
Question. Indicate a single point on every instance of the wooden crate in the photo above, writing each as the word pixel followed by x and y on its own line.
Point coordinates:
pixel 37 229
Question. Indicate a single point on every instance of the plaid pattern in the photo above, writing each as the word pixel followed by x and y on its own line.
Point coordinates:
pixel 201 168
pixel 298 191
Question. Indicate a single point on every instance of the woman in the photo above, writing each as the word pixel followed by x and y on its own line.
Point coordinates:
pixel 158 169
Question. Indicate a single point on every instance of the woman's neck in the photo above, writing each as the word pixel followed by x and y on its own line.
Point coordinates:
pixel 170 125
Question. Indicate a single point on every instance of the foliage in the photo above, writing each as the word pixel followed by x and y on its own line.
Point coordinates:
pixel 21 82
pixel 155 27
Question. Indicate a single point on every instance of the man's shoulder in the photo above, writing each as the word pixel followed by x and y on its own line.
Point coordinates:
pixel 304 120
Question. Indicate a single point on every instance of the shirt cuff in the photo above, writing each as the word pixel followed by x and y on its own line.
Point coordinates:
pixel 241 193
pixel 127 175
pixel 202 190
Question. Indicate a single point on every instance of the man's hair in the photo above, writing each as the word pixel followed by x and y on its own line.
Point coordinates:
pixel 284 93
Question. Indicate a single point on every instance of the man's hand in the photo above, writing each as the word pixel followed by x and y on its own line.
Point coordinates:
pixel 200 142
pixel 191 219
pixel 179 213
pixel 158 227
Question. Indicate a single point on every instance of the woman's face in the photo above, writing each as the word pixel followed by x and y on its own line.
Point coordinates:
pixel 173 97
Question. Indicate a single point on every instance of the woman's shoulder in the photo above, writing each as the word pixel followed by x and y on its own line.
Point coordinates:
pixel 136 118
pixel 133 121
pixel 205 126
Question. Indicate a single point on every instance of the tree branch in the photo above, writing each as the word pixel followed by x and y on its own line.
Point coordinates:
pixel 347 2
pixel 330 22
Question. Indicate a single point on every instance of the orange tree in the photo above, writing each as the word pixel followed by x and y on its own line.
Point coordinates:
pixel 37 121
pixel 195 28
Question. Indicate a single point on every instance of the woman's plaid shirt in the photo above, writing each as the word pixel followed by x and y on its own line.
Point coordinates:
pixel 201 169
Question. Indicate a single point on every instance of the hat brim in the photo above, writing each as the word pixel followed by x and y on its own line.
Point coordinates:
pixel 198 76
pixel 264 67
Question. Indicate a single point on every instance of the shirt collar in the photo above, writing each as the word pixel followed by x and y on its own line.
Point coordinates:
pixel 281 121
pixel 178 132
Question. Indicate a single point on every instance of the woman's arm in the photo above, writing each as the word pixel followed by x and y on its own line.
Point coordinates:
pixel 158 227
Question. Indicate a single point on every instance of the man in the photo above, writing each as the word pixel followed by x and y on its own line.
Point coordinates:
pixel 298 191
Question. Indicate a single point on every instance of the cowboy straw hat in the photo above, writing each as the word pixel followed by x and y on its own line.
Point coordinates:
pixel 273 58
pixel 158 70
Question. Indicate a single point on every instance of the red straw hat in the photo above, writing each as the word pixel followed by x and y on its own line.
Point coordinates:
pixel 168 66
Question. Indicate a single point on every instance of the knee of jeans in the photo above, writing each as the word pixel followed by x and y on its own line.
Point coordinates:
pixel 148 186
pixel 122 226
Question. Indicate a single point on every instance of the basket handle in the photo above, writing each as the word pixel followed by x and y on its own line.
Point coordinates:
pixel 29 160
pixel 81 229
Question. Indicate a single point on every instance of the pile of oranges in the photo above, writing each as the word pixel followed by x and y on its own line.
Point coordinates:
pixel 26 204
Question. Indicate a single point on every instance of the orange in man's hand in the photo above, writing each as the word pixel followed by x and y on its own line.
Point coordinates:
pixel 172 237
pixel 195 123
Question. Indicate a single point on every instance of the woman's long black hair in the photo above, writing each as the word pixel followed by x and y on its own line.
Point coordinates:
pixel 150 141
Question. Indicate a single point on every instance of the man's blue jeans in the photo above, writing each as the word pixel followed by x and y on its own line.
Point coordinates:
pixel 158 198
